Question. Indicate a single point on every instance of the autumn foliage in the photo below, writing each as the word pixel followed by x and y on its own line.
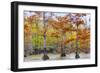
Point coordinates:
pixel 59 30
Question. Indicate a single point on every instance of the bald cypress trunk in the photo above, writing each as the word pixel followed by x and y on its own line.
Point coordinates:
pixel 63 54
pixel 45 56
pixel 77 49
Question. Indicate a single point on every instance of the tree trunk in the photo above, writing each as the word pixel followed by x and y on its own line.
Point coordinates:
pixel 77 49
pixel 63 54
pixel 45 56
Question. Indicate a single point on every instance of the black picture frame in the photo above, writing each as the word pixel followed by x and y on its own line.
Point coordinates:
pixel 14 35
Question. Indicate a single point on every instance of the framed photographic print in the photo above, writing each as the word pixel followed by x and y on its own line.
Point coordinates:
pixel 52 36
